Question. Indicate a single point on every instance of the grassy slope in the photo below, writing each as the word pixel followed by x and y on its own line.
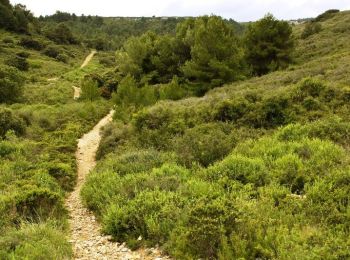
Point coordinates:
pixel 282 196
pixel 38 168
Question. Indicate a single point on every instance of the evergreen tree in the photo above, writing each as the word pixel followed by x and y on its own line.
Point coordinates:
pixel 215 54
pixel 269 45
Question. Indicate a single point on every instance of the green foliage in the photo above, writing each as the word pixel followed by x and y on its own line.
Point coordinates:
pixel 30 43
pixel 52 51
pixel 35 241
pixel 205 144
pixel 11 84
pixel 269 45
pixel 205 52
pixel 19 63
pixel 151 215
pixel 173 90
pixel 37 205
pixel 8 121
pixel 326 15
pixel 61 34
pixel 310 29
pixel 14 18
pixel 215 55
pixel 204 225
pixel 135 161
pixel 89 90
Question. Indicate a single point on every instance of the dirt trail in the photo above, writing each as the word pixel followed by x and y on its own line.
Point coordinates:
pixel 86 237
pixel 77 90
pixel 88 59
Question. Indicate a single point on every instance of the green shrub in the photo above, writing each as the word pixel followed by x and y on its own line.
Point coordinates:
pixel 63 173
pixel 114 136
pixel 62 57
pixel 18 62
pixel 39 204
pixel 151 215
pixel 35 241
pixel 108 61
pixel 23 54
pixel 6 148
pixel 168 178
pixel 205 144
pixel 8 40
pixel 231 110
pixel 89 90
pixel 202 228
pixel 239 168
pixel 52 51
pixel 309 87
pixel 172 91
pixel 310 29
pixel 135 161
pixel 8 121
pixel 31 43
pixel 61 34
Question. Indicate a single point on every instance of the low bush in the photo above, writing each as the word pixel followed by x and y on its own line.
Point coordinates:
pixel 203 226
pixel 18 62
pixel 311 28
pixel 151 215
pixel 135 161
pixel 8 40
pixel 31 43
pixel 63 174
pixel 205 144
pixel 35 241
pixel 52 51
pixel 23 54
pixel 9 121
pixel 37 205
pixel 62 58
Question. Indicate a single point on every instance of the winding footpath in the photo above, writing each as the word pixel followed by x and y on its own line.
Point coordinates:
pixel 88 59
pixel 86 238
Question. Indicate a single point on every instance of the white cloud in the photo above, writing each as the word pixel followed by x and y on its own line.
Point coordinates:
pixel 241 10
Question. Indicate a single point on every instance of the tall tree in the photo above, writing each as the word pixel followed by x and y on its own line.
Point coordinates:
pixel 215 53
pixel 269 45
pixel 7 19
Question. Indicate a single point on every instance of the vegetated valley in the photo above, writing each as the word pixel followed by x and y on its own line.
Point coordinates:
pixel 228 140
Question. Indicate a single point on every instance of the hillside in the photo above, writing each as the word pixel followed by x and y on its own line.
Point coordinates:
pixel 228 141
pixel 38 133
pixel 255 169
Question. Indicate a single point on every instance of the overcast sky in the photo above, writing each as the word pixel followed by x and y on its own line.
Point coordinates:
pixel 240 10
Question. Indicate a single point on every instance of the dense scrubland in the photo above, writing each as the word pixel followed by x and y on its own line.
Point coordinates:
pixel 257 169
pixel 39 125
pixel 229 141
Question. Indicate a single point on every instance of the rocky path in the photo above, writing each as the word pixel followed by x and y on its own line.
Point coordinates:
pixel 86 237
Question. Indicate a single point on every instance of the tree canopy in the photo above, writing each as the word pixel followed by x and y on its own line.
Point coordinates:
pixel 269 45
pixel 14 18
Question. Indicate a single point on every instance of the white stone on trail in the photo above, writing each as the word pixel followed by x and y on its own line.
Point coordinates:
pixel 86 238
